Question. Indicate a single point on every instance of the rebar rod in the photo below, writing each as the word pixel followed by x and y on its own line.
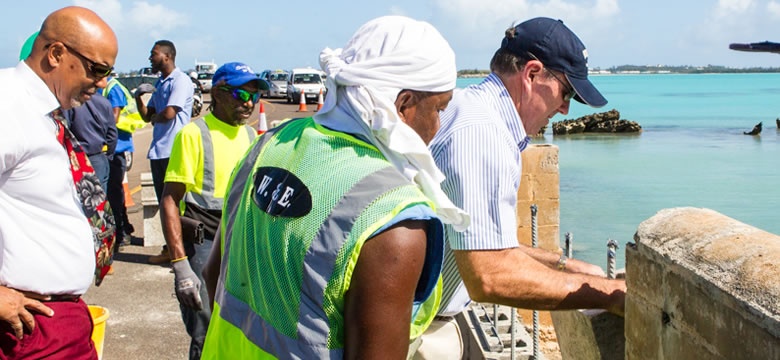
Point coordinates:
pixel 534 243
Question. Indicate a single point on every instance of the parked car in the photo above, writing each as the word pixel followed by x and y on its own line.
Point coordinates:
pixel 307 79
pixel 205 81
pixel 277 83
pixel 147 71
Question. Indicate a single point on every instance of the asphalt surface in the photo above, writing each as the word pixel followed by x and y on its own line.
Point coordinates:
pixel 144 318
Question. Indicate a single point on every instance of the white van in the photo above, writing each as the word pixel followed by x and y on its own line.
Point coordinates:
pixel 307 79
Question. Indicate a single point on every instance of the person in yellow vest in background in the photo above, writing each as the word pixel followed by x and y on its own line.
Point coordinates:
pixel 332 235
pixel 203 155
pixel 128 120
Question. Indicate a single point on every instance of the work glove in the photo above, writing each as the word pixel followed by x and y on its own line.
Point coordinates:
pixel 144 88
pixel 187 285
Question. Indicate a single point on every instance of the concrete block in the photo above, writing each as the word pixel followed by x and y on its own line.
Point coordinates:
pixel 148 196
pixel 540 158
pixel 545 186
pixel 713 280
pixel 525 193
pixel 482 340
pixel 644 276
pixel 589 334
pixel 153 235
pixel 548 237
pixel 643 323
pixel 548 212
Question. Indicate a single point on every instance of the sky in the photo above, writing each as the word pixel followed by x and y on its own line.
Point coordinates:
pixel 287 34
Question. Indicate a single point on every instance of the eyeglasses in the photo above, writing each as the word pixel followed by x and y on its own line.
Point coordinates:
pixel 570 90
pixel 98 70
pixel 241 94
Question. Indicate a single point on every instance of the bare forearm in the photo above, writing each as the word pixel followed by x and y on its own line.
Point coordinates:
pixel 512 277
pixel 171 222
pixel 548 258
pixel 143 110
pixel 552 260
pixel 167 114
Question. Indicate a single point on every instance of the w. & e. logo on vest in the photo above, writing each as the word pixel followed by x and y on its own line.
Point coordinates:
pixel 280 193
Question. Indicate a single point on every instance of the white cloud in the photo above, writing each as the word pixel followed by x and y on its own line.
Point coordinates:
pixel 475 28
pixel 773 7
pixel 500 14
pixel 397 10
pixel 138 24
pixel 109 10
pixel 727 8
pixel 155 20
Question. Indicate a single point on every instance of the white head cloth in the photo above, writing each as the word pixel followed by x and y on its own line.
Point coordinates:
pixel 387 55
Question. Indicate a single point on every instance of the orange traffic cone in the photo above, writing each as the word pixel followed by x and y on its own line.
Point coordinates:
pixel 262 122
pixel 319 102
pixel 302 103
pixel 128 196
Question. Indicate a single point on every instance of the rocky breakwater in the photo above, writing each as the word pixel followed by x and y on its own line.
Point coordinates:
pixel 606 122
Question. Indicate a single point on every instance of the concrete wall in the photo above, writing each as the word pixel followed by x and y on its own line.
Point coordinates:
pixel 702 286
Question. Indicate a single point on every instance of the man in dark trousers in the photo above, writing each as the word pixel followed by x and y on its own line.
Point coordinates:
pixel 94 126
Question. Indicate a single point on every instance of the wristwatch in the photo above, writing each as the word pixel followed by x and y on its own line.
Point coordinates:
pixel 561 265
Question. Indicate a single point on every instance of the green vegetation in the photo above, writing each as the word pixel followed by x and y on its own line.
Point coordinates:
pixel 473 73
pixel 653 69
pixel 687 69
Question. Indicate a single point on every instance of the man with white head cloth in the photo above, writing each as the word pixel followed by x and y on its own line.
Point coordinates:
pixel 333 237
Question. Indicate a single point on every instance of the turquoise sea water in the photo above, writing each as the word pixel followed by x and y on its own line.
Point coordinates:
pixel 691 153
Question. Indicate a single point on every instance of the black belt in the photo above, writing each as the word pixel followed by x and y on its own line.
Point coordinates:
pixel 63 298
pixel 443 318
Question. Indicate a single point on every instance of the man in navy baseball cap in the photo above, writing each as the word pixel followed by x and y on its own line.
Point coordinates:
pixel 558 48
pixel 539 68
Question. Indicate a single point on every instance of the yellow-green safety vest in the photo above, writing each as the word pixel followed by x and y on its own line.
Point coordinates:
pixel 299 208
pixel 129 118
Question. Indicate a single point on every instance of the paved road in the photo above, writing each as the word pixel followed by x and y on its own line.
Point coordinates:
pixel 144 321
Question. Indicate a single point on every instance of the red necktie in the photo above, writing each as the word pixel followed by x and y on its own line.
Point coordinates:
pixel 91 195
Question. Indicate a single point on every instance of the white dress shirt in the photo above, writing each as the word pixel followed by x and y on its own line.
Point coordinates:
pixel 46 243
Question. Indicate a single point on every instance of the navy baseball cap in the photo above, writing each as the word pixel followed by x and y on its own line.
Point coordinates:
pixel 236 74
pixel 558 48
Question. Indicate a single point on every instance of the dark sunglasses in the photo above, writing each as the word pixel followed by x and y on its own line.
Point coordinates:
pixel 97 70
pixel 241 94
pixel 569 90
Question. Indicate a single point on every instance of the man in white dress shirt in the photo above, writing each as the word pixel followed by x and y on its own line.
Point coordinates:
pixel 47 255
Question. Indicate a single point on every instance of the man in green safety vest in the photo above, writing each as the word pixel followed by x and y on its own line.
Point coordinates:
pixel 128 120
pixel 203 155
pixel 331 244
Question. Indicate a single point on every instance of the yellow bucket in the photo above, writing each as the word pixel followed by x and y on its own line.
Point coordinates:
pixel 99 318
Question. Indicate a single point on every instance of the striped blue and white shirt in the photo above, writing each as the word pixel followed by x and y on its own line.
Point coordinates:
pixel 478 149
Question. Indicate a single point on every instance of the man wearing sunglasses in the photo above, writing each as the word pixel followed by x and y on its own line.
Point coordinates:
pixel 46 242
pixel 202 158
pixel 540 66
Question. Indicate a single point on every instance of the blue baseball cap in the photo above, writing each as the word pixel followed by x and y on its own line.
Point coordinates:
pixel 558 48
pixel 236 74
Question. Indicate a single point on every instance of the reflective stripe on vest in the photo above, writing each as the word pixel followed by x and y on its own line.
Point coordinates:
pixel 206 197
pixel 318 264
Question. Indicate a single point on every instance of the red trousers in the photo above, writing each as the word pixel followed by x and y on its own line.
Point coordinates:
pixel 66 335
